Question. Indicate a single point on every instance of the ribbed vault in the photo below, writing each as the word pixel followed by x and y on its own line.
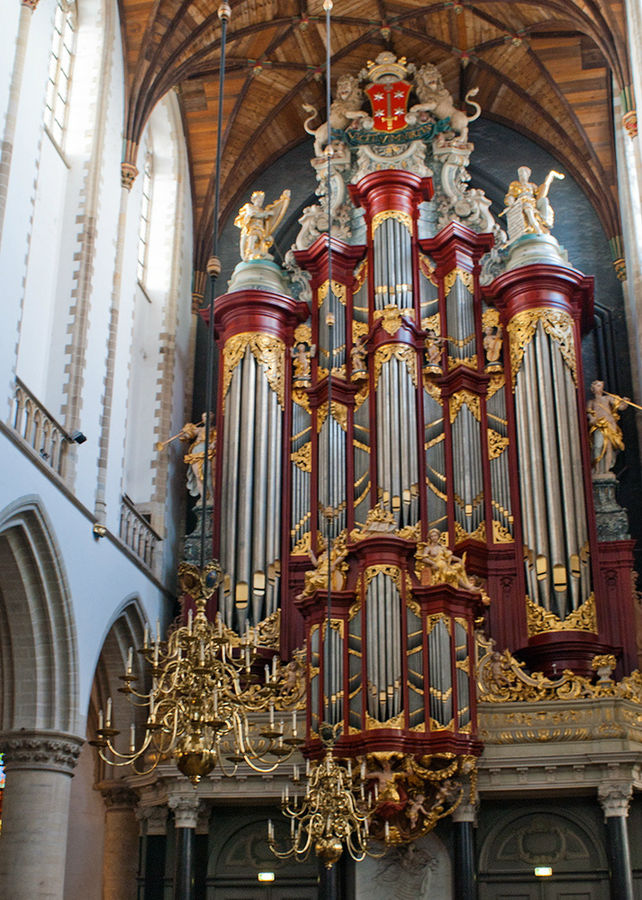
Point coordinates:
pixel 547 69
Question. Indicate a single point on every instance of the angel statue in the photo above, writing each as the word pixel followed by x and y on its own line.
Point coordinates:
pixel 258 224
pixel 528 210
pixel 193 433
pixel 603 411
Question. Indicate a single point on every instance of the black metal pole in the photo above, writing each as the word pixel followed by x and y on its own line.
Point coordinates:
pixel 464 874
pixel 184 864
pixel 213 269
pixel 617 847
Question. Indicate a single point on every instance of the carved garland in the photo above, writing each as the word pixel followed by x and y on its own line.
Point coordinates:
pixel 466 279
pixel 268 351
pixel 338 289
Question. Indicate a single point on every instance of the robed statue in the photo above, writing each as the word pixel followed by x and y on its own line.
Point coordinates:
pixel 527 209
pixel 258 224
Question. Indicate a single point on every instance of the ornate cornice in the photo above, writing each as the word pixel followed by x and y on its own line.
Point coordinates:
pixel 153 819
pixel 51 750
pixel 615 798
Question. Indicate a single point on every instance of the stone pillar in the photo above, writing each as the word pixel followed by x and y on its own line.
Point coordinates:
pixel 153 856
pixel 35 813
pixel 614 798
pixel 120 858
pixel 185 808
pixel 465 879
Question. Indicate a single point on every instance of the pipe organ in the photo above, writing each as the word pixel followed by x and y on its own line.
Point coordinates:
pixel 402 456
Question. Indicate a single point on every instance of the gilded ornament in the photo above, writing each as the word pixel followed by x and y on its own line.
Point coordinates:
pixel 360 276
pixel 431 388
pixel 501 534
pixel 391 317
pixel 338 291
pixel 303 334
pixel 268 351
pixel 465 277
pixel 300 397
pixel 336 567
pixel 437 564
pixel 378 521
pixel 302 458
pixel 490 316
pixel 557 324
pixel 432 323
pixel 469 361
pixel 427 268
pixel 302 546
pixel 540 620
pixel 397 214
pixel 497 443
pixel 402 352
pixel 464 397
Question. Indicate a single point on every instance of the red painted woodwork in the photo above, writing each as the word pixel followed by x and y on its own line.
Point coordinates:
pixel 457 245
pixel 615 605
pixel 391 189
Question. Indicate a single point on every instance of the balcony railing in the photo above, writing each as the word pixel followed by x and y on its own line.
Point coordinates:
pixel 38 428
pixel 137 533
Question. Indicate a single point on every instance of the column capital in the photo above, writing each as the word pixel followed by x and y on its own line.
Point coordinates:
pixel 153 819
pixel 30 4
pixel 467 809
pixel 185 808
pixel 117 795
pixel 615 797
pixel 51 750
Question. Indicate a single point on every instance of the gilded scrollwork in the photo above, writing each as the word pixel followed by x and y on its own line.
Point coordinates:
pixel 497 443
pixel 391 318
pixel 302 458
pixel 465 277
pixel 502 679
pixel 464 397
pixel 540 620
pixel 427 268
pixel 402 352
pixel 338 290
pixel 268 351
pixel 397 214
pixel 557 324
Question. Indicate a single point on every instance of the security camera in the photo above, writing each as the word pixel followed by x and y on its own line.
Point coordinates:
pixel 78 437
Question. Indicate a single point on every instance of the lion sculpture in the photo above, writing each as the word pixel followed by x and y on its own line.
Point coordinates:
pixel 436 99
pixel 343 111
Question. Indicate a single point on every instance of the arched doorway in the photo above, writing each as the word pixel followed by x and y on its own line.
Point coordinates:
pixel 235 863
pixel 566 842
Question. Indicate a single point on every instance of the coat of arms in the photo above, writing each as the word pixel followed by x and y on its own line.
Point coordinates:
pixel 389 103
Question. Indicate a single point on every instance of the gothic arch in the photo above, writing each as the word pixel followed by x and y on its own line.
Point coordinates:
pixel 38 655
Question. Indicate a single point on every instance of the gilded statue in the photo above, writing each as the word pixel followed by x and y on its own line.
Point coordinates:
pixel 433 345
pixel 436 99
pixel 527 209
pixel 344 110
pixel 358 355
pixel 193 433
pixel 436 564
pixel 302 353
pixel 317 579
pixel 258 224
pixel 606 435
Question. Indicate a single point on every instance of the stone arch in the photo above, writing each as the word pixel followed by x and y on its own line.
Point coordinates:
pixel 126 630
pixel 38 653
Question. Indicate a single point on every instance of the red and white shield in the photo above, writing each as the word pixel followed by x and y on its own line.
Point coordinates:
pixel 389 103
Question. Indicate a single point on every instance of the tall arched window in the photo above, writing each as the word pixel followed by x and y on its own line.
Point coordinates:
pixel 60 65
pixel 145 217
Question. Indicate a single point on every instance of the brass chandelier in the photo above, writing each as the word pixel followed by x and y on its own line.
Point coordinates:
pixel 211 703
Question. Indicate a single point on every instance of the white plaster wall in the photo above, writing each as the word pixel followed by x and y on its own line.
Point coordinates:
pixel 14 242
pixel 9 16
pixel 101 579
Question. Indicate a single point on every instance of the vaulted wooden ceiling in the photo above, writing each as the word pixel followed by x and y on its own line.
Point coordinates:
pixel 547 69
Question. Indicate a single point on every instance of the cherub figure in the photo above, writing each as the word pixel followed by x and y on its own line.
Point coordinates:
pixel 492 345
pixel 605 433
pixel 301 354
pixel 258 224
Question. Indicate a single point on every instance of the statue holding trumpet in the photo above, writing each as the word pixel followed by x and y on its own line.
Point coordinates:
pixel 603 411
pixel 194 434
